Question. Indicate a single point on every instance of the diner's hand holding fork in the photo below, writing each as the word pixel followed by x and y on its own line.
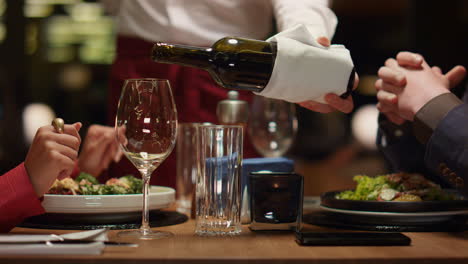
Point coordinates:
pixel 407 83
pixel 52 155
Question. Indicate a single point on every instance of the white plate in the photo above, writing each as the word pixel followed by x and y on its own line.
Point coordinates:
pixel 416 214
pixel 394 218
pixel 160 197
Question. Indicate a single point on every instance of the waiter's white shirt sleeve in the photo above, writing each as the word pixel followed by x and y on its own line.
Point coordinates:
pixel 202 22
pixel 315 14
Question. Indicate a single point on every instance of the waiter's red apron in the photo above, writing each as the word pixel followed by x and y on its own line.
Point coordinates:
pixel 195 93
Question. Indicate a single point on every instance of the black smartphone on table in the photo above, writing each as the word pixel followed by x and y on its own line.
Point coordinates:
pixel 351 239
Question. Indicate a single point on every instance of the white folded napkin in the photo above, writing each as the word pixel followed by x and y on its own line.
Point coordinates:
pixel 13 244
pixel 305 70
pixel 94 248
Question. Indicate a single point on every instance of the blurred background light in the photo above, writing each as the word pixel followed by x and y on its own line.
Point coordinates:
pixel 38 10
pixel 36 115
pixel 364 126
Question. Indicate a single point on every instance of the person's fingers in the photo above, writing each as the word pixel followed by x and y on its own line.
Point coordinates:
pixel 386 97
pixel 115 153
pixel 98 149
pixel 63 163
pixel 78 126
pixel 392 76
pixel 70 136
pixel 317 107
pixel 437 70
pixel 380 85
pixel 394 118
pixel 48 134
pixel 64 150
pixel 60 161
pixel 456 75
pixel 66 140
pixel 392 64
pixel 109 155
pixel 108 142
pixel 64 174
pixel 356 81
pixel 409 59
pixel 118 154
pixel 343 105
pixel 121 134
pixel 73 130
pixel 324 41
pixel 386 108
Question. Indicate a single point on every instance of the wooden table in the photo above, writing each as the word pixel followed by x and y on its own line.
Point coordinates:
pixel 253 247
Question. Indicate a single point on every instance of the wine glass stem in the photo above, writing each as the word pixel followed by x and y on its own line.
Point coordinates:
pixel 145 227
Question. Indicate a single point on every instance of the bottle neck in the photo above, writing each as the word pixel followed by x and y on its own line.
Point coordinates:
pixel 190 56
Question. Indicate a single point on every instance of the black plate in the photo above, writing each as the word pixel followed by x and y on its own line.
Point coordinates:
pixel 94 221
pixel 328 200
pixel 453 223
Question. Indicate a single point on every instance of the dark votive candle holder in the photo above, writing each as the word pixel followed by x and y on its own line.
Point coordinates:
pixel 276 200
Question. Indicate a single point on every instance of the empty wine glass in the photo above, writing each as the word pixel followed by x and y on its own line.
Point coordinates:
pixel 146 126
pixel 272 126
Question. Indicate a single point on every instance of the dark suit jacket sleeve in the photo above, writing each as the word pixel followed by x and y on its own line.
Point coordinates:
pixel 437 144
pixel 447 148
pixel 401 149
pixel 18 199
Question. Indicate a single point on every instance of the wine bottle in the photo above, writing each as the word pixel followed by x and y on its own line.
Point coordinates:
pixel 234 63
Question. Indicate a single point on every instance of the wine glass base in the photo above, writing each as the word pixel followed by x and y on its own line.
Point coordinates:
pixel 145 235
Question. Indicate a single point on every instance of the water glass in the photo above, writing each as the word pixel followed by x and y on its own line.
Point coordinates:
pixel 272 126
pixel 187 170
pixel 218 192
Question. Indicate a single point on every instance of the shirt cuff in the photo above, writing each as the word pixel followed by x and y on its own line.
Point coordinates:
pixel 429 116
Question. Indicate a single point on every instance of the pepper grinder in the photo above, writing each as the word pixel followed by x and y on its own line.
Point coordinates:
pixel 232 111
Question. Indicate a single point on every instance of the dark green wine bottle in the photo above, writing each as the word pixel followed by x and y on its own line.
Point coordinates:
pixel 234 63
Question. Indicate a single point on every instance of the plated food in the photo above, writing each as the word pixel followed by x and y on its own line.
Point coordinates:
pixel 86 184
pixel 398 187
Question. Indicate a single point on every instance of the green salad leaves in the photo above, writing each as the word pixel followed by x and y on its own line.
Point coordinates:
pixel 87 184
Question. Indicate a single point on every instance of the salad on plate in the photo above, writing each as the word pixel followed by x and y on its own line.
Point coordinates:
pixel 398 187
pixel 86 184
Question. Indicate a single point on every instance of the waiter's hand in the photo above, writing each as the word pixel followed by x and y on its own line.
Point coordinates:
pixel 334 102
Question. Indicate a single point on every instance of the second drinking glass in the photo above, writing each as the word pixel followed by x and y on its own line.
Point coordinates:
pixel 272 126
pixel 218 183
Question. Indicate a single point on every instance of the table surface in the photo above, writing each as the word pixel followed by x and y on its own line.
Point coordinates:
pixel 268 247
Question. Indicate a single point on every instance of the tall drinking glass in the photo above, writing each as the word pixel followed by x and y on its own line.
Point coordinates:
pixel 146 126
pixel 218 184
pixel 187 149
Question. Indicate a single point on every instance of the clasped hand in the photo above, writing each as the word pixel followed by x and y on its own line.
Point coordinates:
pixel 407 83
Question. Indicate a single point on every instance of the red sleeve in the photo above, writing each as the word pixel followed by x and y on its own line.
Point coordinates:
pixel 18 198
